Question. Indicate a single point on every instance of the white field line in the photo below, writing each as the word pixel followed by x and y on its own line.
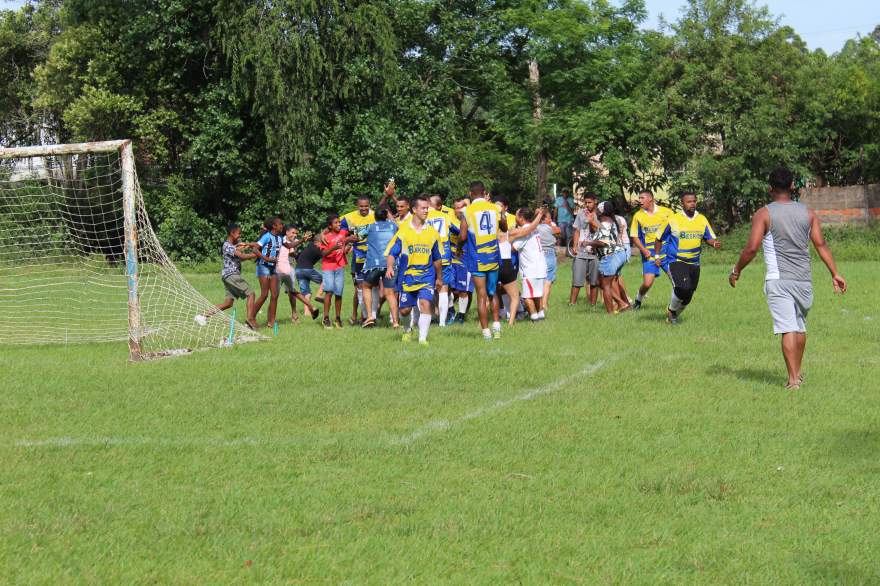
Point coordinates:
pixel 431 427
pixel 111 441
pixel 441 425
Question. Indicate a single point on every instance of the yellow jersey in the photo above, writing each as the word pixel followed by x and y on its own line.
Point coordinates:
pixel 683 237
pixel 355 223
pixel 415 251
pixel 646 227
pixel 442 223
pixel 481 245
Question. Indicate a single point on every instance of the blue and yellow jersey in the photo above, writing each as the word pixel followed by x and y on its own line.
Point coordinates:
pixel 415 251
pixel 355 223
pixel 647 227
pixel 448 211
pixel 481 247
pixel 403 220
pixel 442 223
pixel 683 237
pixel 454 233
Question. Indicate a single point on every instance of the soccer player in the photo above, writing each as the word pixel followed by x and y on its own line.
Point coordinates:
pixel 644 232
pixel 480 223
pixel 682 239
pixel 585 266
pixel 269 245
pixel 236 287
pixel 532 264
pixel 441 219
pixel 286 275
pixel 401 203
pixel 333 263
pixel 786 228
pixel 415 248
pixel 379 235
pixel 463 286
pixel 354 225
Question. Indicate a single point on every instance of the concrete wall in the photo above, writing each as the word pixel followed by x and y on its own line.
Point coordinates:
pixel 856 204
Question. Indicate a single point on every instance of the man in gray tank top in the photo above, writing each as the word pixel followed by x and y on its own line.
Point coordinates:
pixel 785 229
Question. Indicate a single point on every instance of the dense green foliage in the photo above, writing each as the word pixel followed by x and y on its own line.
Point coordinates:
pixel 241 109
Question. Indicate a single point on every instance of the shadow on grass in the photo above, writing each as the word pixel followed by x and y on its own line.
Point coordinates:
pixel 758 375
pixel 856 444
pixel 841 572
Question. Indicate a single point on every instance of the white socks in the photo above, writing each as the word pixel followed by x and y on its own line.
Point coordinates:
pixel 361 302
pixel 496 326
pixel 424 324
pixel 444 308
pixel 375 305
pixel 487 334
pixel 412 317
pixel 675 304
pixel 462 305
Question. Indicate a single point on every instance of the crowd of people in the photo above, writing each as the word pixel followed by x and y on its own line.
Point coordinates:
pixel 428 263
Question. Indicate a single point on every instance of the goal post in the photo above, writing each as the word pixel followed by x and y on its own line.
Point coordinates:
pixel 79 261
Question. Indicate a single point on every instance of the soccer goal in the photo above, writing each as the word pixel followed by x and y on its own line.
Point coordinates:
pixel 79 261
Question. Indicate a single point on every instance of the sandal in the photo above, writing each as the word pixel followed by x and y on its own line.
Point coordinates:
pixel 369 323
pixel 315 314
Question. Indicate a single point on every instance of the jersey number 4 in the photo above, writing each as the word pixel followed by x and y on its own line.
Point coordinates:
pixel 486 225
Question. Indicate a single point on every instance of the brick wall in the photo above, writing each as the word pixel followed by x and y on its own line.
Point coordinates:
pixel 856 204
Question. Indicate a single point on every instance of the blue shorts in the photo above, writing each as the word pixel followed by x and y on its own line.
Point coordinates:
pixel 462 279
pixel 491 280
pixel 305 278
pixel 411 298
pixel 610 265
pixel 449 275
pixel 265 271
pixel 334 282
pixel 550 257
pixel 650 268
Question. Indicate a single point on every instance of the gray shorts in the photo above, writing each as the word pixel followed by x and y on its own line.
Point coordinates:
pixel 287 279
pixel 789 303
pixel 236 287
pixel 582 268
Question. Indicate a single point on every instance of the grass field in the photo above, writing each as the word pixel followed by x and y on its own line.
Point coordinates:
pixel 585 449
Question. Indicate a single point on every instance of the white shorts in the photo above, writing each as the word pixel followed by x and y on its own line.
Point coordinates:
pixel 532 288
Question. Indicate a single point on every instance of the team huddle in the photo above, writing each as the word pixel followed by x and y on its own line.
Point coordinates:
pixel 429 262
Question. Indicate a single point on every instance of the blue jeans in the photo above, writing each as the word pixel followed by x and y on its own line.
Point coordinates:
pixel 334 282
pixel 305 277
pixel 550 257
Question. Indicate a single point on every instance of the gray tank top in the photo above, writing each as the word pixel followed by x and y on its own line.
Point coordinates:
pixel 787 243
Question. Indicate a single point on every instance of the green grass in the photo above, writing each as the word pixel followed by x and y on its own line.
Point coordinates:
pixel 679 459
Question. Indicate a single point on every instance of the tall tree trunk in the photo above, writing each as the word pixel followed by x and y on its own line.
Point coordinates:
pixel 534 85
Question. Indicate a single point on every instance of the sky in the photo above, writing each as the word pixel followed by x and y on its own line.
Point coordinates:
pixel 825 24
pixel 820 23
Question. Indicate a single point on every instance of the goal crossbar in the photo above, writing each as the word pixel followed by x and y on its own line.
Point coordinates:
pixel 49 150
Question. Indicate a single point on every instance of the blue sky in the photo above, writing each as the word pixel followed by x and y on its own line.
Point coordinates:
pixel 825 24
pixel 821 23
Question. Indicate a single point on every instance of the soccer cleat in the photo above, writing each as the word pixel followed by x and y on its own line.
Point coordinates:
pixel 201 320
pixel 423 343
pixel 459 319
pixel 338 324
pixel 316 314
pixel 671 317
pixel 327 324
pixel 637 304
pixel 450 319
pixel 496 334
pixel 407 336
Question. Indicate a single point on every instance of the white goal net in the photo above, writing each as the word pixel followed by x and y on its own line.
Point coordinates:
pixel 79 261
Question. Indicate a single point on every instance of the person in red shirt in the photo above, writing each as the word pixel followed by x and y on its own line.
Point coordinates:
pixel 333 265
